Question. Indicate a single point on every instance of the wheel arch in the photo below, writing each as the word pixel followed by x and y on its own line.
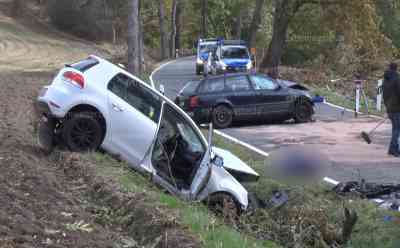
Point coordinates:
pixel 224 193
pixel 84 107
pixel 225 103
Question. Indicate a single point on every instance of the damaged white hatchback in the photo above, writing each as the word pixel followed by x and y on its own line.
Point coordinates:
pixel 94 103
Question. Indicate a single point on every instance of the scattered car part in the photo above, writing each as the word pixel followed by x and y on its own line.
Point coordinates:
pixel 386 196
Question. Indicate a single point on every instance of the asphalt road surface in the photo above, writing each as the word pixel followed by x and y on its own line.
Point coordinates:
pixel 335 134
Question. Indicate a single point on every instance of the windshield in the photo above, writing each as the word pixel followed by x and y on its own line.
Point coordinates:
pixel 235 53
pixel 205 48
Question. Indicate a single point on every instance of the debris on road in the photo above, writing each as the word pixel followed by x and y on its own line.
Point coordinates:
pixel 386 196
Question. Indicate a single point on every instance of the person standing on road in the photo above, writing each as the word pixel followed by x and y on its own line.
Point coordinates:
pixel 391 97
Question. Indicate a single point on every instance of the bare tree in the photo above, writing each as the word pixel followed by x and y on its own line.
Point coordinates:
pixel 237 29
pixel 141 45
pixel 163 33
pixel 178 21
pixel 16 7
pixel 255 22
pixel 133 37
pixel 284 11
pixel 204 13
pixel 173 29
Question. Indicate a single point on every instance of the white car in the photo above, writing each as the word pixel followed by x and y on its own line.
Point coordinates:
pixel 94 103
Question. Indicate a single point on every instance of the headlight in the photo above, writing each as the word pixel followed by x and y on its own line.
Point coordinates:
pixel 199 61
pixel 249 65
pixel 223 65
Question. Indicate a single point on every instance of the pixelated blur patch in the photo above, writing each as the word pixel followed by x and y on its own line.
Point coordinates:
pixel 298 165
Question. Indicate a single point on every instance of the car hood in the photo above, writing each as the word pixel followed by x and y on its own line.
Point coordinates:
pixel 292 85
pixel 236 62
pixel 204 55
pixel 235 166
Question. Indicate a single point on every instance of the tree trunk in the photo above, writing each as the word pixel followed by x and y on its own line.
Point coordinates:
pixel 204 13
pixel 179 12
pixel 237 33
pixel 173 29
pixel 141 45
pixel 16 8
pixel 133 37
pixel 255 23
pixel 284 11
pixel 163 33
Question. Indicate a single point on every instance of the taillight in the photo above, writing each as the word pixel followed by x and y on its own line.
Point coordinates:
pixel 74 78
pixel 194 102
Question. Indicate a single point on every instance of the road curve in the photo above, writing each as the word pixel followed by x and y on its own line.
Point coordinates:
pixel 335 134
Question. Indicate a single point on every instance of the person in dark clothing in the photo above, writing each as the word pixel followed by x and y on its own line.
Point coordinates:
pixel 391 97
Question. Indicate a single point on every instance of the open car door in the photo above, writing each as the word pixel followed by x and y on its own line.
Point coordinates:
pixel 180 155
pixel 203 173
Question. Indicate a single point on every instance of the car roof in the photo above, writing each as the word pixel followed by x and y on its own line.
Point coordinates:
pixel 234 46
pixel 230 75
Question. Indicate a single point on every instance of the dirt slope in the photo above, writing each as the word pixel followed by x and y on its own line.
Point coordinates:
pixel 55 201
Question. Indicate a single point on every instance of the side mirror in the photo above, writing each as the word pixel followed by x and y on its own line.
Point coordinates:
pixel 162 89
pixel 218 161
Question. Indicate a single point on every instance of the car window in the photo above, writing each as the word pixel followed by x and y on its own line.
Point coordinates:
pixel 213 85
pixel 240 83
pixel 263 83
pixel 235 53
pixel 174 126
pixel 136 95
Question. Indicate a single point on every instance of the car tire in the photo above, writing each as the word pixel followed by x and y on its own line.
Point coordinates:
pixel 45 135
pixel 82 132
pixel 198 71
pixel 224 204
pixel 303 111
pixel 222 116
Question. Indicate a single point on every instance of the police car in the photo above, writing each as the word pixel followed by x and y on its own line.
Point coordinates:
pixel 205 47
pixel 231 56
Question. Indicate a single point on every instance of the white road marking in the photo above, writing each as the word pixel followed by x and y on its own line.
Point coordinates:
pixel 350 110
pixel 242 143
pixel 156 70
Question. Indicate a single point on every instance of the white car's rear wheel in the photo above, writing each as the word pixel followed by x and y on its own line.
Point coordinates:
pixel 82 132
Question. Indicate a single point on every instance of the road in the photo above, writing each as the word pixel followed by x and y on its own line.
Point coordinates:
pixel 335 134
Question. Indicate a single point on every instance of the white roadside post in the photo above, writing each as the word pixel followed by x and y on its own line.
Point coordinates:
pixel 358 94
pixel 379 95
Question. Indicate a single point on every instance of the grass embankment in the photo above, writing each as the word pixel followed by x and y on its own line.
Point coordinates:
pixel 347 101
pixel 314 215
pixel 312 218
pixel 210 229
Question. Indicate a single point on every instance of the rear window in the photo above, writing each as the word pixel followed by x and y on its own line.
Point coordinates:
pixel 190 88
pixel 85 64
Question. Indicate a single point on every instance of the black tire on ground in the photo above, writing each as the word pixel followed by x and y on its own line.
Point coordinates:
pixel 198 70
pixel 82 132
pixel 45 135
pixel 303 111
pixel 254 202
pixel 222 116
pixel 224 204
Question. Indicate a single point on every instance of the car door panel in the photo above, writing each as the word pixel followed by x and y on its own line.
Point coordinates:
pixel 271 98
pixel 131 132
pixel 242 97
pixel 133 114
